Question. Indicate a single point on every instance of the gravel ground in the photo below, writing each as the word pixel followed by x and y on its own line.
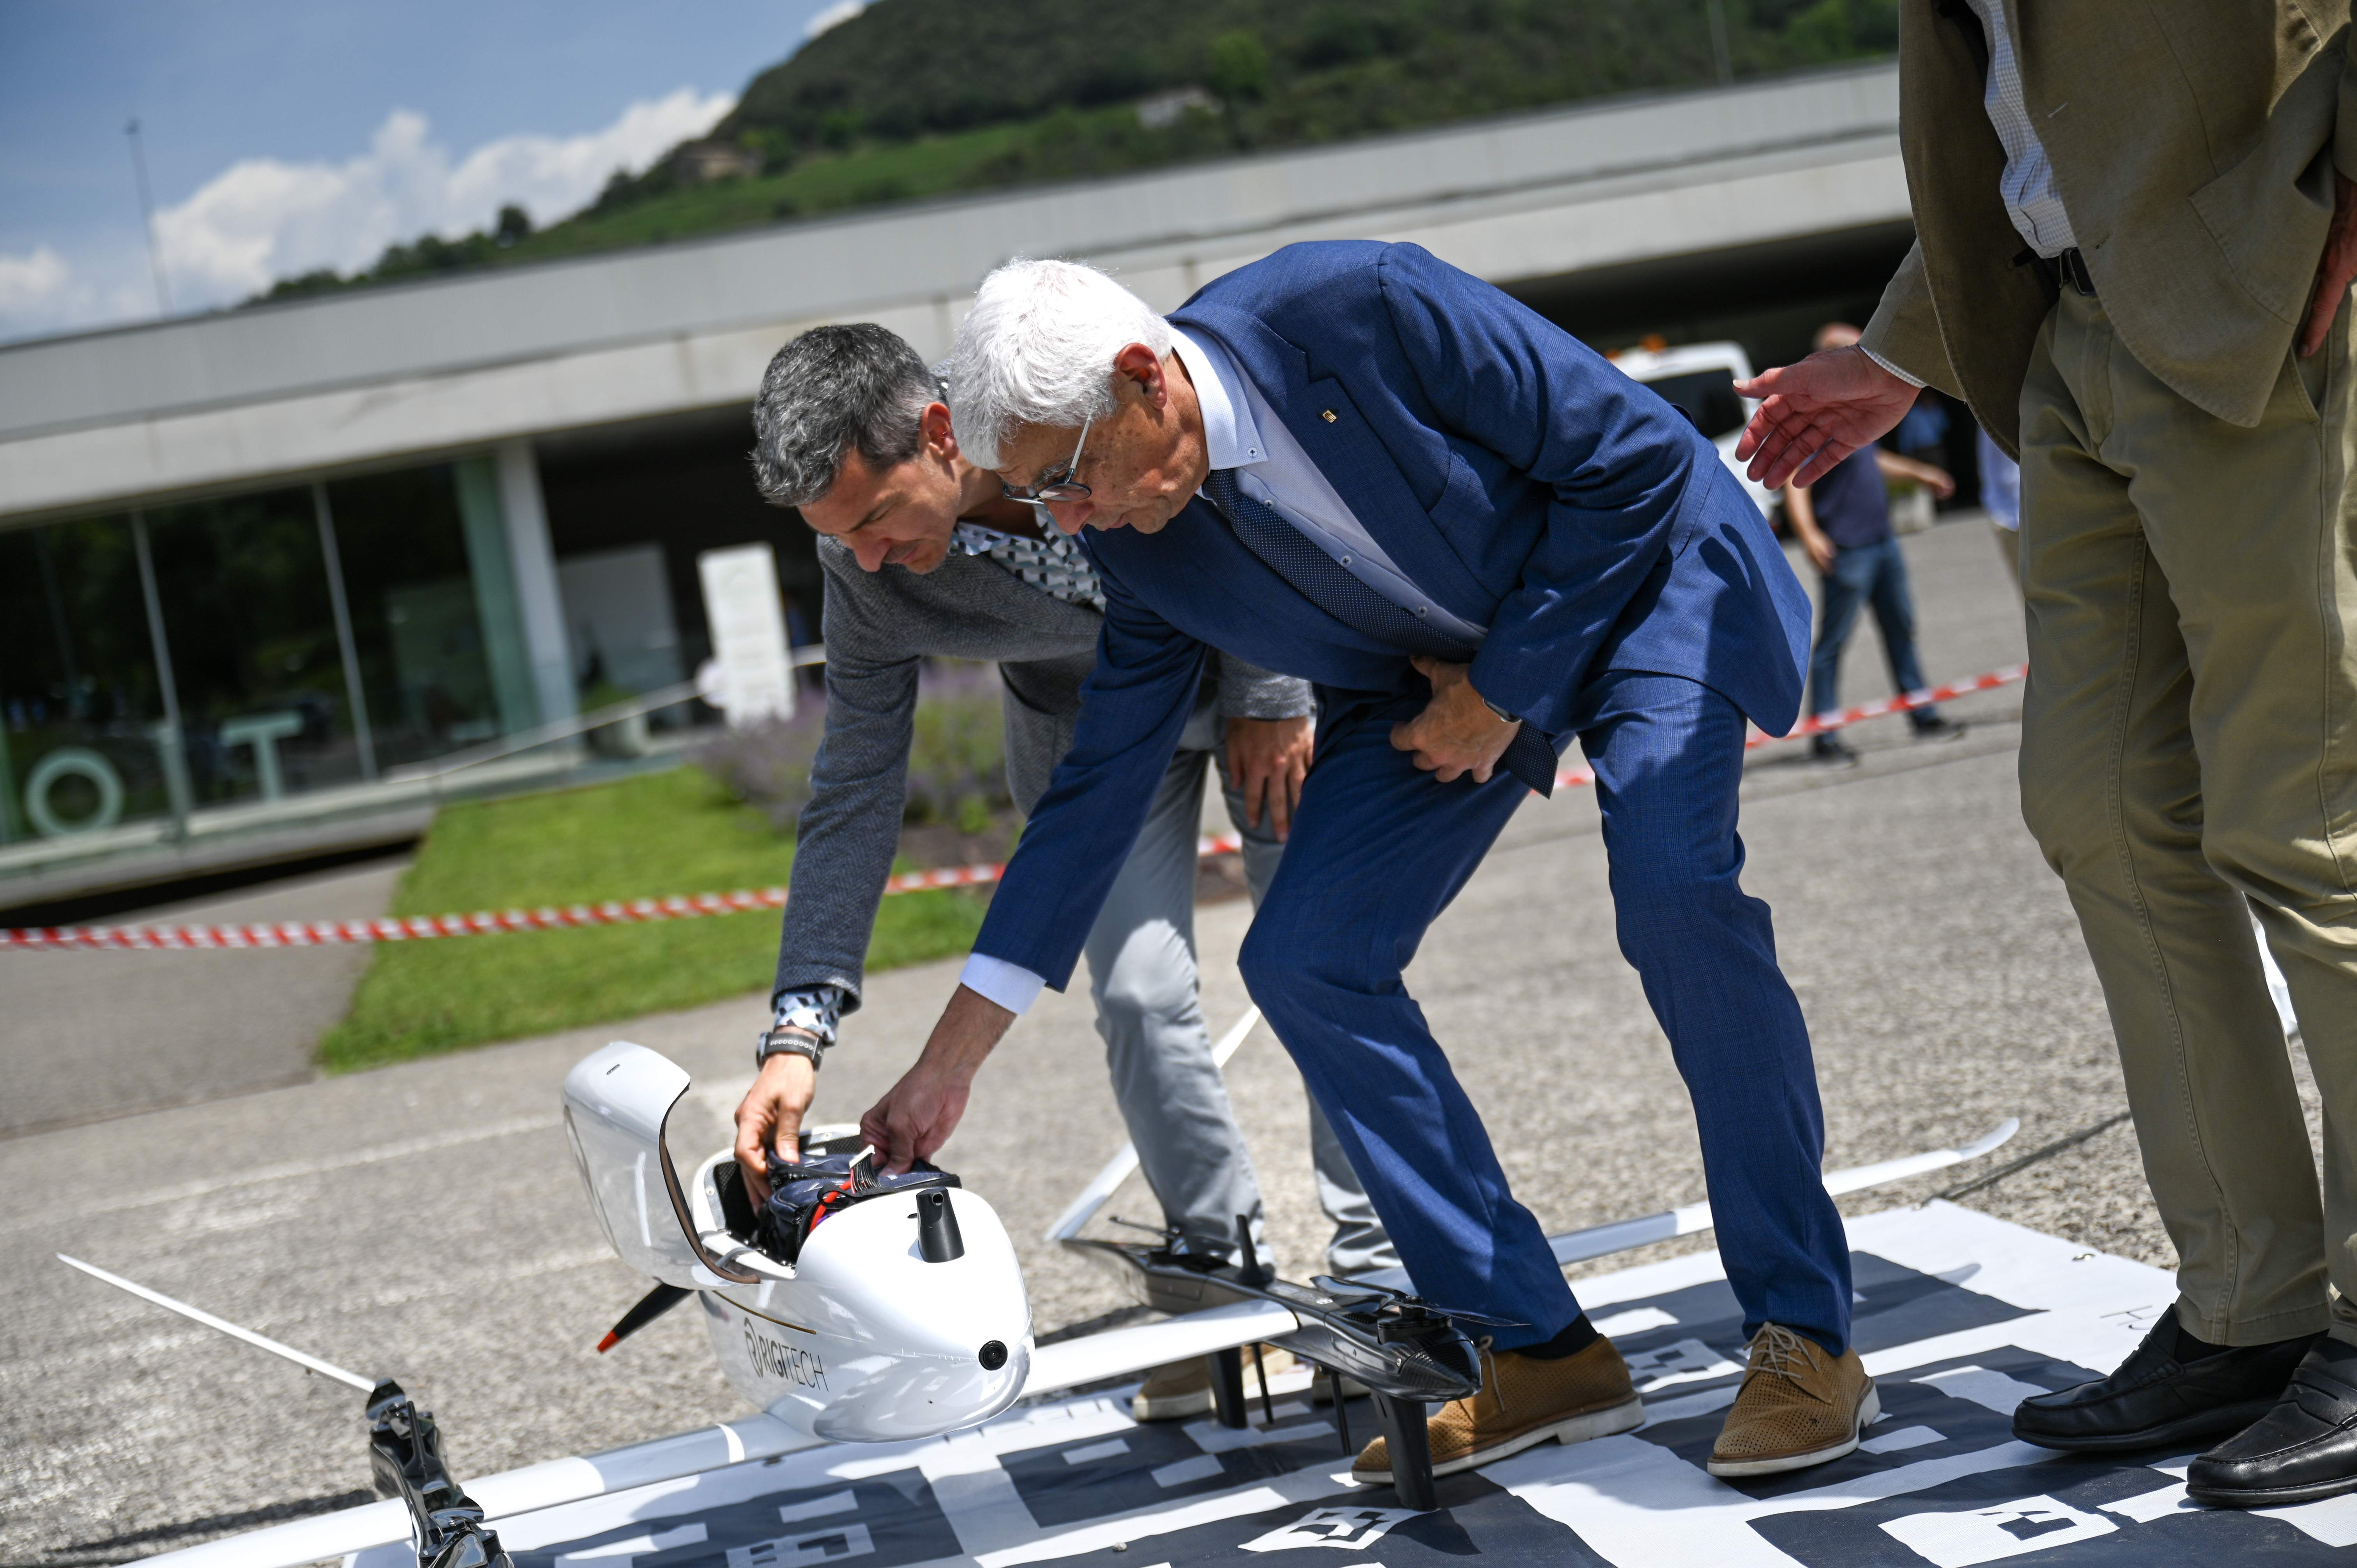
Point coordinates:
pixel 424 1220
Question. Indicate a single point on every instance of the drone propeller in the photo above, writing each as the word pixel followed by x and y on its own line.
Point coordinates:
pixel 1348 1290
pixel 651 1305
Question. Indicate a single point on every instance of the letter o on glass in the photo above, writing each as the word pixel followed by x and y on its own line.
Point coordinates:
pixel 79 762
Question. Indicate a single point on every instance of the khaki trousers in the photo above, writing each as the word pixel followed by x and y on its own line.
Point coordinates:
pixel 2189 742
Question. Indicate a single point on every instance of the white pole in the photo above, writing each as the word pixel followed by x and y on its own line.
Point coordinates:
pixel 259 1341
pixel 1116 1170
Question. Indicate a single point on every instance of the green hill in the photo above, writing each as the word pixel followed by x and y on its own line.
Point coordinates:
pixel 921 97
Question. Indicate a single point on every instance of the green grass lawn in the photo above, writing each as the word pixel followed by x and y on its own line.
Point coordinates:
pixel 647 836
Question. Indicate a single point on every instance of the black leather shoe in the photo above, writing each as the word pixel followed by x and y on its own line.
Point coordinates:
pixel 1832 750
pixel 2303 1449
pixel 2156 1399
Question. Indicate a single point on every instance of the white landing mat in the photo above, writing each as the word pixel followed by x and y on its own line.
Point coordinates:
pixel 1959 1318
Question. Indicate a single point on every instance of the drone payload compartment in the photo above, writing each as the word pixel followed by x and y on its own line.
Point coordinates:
pixel 803 1196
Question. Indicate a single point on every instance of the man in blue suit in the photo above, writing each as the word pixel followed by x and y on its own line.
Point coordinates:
pixel 1352 463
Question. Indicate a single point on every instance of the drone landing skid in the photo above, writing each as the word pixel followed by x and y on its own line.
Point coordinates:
pixel 404 1444
pixel 405 1457
pixel 1407 1354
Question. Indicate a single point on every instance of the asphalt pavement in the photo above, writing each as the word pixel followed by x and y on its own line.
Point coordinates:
pixel 424 1220
pixel 87 1036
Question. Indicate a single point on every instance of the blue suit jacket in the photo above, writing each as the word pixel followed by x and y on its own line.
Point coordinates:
pixel 1507 470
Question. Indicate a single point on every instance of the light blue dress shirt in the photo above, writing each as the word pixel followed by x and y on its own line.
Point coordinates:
pixel 1243 433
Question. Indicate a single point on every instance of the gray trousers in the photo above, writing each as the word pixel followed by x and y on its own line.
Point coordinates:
pixel 1142 972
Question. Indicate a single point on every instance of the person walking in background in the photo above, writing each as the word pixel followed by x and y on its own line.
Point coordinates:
pixel 1844 522
pixel 2001 495
pixel 2136 236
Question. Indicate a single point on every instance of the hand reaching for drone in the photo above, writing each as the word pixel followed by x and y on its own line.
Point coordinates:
pixel 917 1115
pixel 770 1117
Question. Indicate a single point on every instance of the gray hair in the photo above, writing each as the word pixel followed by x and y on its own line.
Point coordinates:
pixel 1037 349
pixel 830 390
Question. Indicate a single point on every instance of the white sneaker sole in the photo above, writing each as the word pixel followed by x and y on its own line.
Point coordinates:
pixel 1869 1411
pixel 1624 1417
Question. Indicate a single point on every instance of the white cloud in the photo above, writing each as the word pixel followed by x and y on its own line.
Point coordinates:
pixel 34 285
pixel 261 220
pixel 834 16
pixel 46 291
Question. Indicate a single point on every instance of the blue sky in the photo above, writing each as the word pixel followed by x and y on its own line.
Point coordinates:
pixel 282 136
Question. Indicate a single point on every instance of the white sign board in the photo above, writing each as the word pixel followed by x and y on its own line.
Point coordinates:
pixel 748 633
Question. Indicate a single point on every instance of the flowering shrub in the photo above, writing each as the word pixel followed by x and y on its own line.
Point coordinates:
pixel 957 764
pixel 767 765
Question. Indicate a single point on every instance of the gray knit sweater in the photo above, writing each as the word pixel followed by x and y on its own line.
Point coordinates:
pixel 878 626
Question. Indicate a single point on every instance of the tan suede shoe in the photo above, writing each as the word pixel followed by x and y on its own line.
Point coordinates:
pixel 1799 1406
pixel 1524 1401
pixel 1182 1389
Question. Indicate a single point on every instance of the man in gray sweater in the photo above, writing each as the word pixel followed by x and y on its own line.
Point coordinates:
pixel 925 558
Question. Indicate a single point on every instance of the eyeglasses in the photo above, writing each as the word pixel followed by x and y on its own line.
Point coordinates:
pixel 1064 488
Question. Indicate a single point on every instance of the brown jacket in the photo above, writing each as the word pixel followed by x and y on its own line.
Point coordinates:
pixel 2193 144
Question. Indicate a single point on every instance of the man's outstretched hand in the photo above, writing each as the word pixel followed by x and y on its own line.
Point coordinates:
pixel 917 1115
pixel 770 1117
pixel 1457 733
pixel 1816 412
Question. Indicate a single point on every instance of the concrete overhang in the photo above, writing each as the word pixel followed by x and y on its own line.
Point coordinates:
pixel 244 397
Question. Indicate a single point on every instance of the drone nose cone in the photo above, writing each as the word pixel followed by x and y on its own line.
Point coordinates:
pixel 934 1307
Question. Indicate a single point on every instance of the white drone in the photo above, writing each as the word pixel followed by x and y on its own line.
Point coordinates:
pixel 902 1316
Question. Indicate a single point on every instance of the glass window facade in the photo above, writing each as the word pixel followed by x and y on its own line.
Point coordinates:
pixel 81 746
pixel 416 603
pixel 241 653
pixel 311 636
pixel 251 627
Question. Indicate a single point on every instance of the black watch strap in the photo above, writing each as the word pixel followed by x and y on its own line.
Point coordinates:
pixel 797 1042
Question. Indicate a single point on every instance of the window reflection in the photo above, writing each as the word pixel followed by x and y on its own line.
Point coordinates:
pixel 417 618
pixel 79 706
pixel 255 659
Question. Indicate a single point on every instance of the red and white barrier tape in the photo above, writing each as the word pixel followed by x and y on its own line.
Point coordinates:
pixel 1573 778
pixel 328 933
pixel 422 927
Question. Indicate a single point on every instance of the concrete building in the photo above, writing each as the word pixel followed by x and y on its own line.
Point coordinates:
pixel 283 554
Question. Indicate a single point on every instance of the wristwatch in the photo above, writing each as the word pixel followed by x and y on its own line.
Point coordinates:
pixel 1500 714
pixel 795 1041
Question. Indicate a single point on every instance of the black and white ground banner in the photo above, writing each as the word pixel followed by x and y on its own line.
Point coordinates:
pixel 1959 1318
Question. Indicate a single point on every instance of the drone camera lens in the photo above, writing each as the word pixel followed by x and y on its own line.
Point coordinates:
pixel 994 1355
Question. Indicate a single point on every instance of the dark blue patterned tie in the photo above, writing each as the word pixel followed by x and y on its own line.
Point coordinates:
pixel 1327 583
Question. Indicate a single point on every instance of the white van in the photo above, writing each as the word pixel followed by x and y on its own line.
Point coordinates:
pixel 1700 379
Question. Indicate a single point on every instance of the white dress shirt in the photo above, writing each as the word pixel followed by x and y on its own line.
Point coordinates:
pixel 2032 200
pixel 1241 432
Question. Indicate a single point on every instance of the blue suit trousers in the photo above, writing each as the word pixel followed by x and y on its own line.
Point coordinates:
pixel 1379 850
